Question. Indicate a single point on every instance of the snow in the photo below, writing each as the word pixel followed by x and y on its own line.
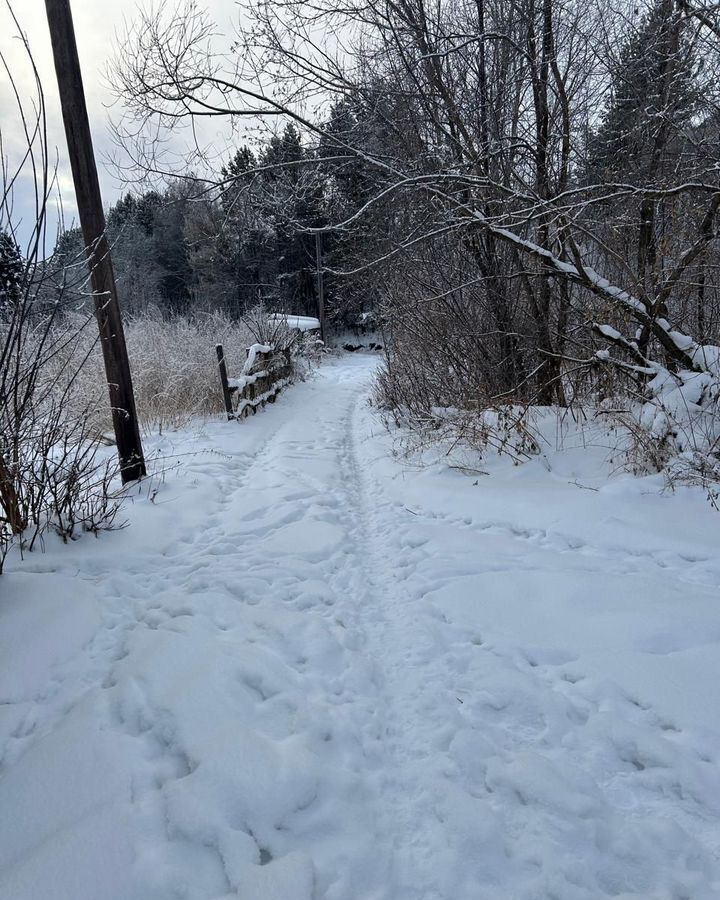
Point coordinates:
pixel 297 323
pixel 707 357
pixel 309 671
pixel 252 356
pixel 266 396
pixel 609 332
pixel 243 381
pixel 682 341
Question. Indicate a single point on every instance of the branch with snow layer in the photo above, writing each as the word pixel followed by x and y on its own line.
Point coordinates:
pixel 242 381
pixel 642 364
pixel 679 346
pixel 681 415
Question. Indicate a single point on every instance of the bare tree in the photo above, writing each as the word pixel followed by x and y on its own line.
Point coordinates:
pixel 485 121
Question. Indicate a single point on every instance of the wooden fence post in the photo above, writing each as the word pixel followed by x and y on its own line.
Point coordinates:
pixel 224 381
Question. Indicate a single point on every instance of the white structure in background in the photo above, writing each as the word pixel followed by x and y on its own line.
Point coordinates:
pixel 296 323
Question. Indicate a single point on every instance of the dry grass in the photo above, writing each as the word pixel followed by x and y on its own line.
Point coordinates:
pixel 173 363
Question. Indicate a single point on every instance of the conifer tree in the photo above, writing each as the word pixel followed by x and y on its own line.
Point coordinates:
pixel 653 94
pixel 11 275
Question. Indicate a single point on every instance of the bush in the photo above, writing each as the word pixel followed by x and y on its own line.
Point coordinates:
pixel 56 473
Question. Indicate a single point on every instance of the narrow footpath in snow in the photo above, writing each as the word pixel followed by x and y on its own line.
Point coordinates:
pixel 307 671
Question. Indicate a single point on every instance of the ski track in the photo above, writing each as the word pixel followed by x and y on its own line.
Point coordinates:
pixel 402 755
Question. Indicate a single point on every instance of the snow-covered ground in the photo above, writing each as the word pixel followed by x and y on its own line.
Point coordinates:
pixel 310 672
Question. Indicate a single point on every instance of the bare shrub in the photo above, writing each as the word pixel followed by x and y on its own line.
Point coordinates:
pixel 301 348
pixel 63 478
pixel 270 330
pixel 54 475
pixel 482 425
pixel 175 368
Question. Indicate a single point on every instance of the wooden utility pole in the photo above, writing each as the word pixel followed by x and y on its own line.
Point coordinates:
pixel 320 284
pixel 92 222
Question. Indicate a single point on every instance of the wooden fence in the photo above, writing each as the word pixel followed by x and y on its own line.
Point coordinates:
pixel 263 376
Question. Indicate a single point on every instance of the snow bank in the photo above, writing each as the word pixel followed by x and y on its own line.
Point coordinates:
pixel 306 672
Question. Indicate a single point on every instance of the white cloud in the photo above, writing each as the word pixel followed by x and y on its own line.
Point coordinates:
pixel 96 28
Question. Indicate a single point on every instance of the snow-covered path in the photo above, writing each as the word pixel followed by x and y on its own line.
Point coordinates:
pixel 308 673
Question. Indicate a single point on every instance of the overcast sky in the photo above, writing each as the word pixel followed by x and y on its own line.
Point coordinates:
pixel 96 27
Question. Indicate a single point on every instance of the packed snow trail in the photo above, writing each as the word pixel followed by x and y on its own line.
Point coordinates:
pixel 308 672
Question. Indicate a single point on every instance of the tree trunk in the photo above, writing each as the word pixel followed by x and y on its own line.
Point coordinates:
pixel 9 499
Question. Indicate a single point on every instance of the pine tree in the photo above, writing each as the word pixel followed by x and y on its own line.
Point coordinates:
pixel 11 276
pixel 295 204
pixel 652 96
pixel 250 235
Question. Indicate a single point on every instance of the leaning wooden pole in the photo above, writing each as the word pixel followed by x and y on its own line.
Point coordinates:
pixel 92 222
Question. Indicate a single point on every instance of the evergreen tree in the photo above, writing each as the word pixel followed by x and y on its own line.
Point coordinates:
pixel 270 201
pixel 122 213
pixel 147 211
pixel 171 250
pixel 294 204
pixel 11 275
pixel 653 95
pixel 249 235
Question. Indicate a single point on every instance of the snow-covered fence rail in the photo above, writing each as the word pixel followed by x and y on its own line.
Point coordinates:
pixel 263 376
